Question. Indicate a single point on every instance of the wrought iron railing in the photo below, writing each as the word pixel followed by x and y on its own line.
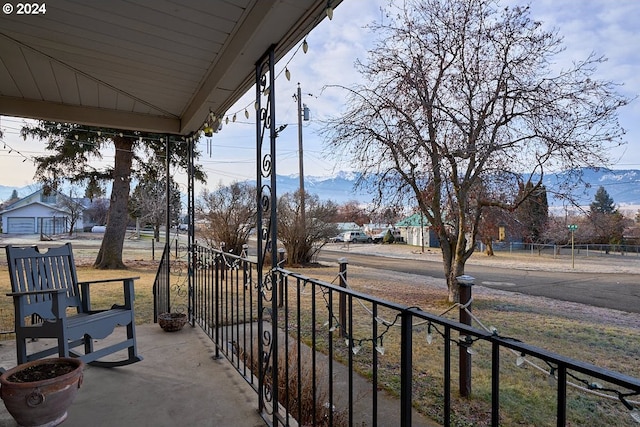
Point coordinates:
pixel 342 353
pixel 161 291
pixel 171 285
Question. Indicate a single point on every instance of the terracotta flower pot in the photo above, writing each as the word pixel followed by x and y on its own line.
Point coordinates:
pixel 41 402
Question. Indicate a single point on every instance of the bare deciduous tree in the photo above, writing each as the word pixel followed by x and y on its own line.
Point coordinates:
pixel 302 242
pixel 461 95
pixel 73 208
pixel 149 203
pixel 351 211
pixel 498 225
pixel 227 215
pixel 96 213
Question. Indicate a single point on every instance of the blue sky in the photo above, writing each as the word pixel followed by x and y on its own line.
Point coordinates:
pixel 605 27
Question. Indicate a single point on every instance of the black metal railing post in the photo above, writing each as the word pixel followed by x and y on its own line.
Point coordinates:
pixel 447 377
pixel 191 247
pixel 216 302
pixel 406 368
pixel 465 282
pixel 561 417
pixel 342 304
pixel 267 236
pixel 495 384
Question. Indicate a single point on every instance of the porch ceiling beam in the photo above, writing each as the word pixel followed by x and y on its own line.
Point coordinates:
pixel 89 116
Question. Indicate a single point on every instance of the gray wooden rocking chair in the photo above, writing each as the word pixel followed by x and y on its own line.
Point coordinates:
pixel 45 285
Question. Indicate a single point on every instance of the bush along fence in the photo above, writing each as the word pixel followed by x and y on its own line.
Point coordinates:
pixel 320 353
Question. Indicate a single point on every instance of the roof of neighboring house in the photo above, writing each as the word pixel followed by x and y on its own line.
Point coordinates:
pixel 14 207
pixel 8 203
pixel 346 226
pixel 414 220
pixel 31 200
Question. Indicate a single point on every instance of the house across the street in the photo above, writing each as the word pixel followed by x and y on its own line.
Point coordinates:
pixel 417 231
pixel 40 213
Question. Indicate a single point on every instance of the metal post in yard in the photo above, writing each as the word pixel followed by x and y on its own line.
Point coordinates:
pixel 573 254
pixel 465 282
pixel 342 308
pixel 572 228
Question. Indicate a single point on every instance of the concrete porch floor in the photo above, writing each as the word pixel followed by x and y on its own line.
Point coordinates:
pixel 177 384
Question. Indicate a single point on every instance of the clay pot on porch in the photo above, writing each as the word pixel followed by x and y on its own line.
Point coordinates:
pixel 38 393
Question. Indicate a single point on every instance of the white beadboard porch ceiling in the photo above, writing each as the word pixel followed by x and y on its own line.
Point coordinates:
pixel 148 65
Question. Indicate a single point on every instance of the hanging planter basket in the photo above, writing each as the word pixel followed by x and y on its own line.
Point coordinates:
pixel 172 322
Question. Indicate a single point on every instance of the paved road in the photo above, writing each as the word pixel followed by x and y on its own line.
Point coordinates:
pixel 608 290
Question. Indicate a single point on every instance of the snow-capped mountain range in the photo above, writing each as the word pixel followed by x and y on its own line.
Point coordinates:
pixel 622 185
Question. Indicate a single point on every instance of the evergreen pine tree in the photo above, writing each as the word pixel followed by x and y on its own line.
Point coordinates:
pixel 602 202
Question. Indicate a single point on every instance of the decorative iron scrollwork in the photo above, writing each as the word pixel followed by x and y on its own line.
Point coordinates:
pixel 267 233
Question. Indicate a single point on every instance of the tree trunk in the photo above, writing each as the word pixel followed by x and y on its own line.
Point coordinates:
pixel 454 256
pixel 452 269
pixel 457 269
pixel 110 254
pixel 489 245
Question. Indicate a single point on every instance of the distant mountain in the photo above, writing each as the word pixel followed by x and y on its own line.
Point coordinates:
pixel 622 185
pixel 338 188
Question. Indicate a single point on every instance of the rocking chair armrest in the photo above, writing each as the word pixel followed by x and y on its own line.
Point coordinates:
pixel 117 279
pixel 128 292
pixel 58 307
pixel 40 292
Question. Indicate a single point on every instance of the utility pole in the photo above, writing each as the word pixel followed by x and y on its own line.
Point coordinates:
pixel 301 159
pixel 303 113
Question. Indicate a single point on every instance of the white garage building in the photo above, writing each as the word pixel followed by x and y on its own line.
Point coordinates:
pixel 38 214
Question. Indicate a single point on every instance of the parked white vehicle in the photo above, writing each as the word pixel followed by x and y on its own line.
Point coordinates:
pixel 338 238
pixel 357 236
pixel 397 237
